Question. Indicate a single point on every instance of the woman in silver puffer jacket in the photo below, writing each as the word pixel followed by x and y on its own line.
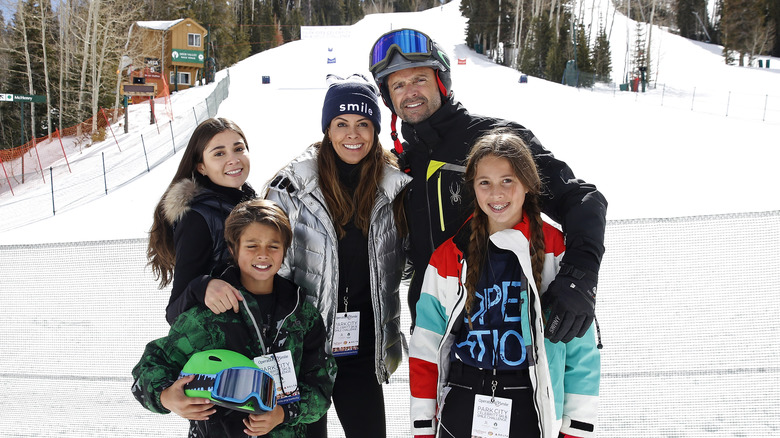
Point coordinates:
pixel 343 197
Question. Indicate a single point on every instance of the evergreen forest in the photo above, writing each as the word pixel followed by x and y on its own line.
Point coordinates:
pixel 71 51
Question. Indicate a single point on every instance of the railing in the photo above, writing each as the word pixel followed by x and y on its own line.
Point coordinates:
pixel 65 183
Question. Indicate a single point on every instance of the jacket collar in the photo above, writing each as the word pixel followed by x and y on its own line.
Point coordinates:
pixel 302 172
pixel 462 237
pixel 284 289
pixel 431 130
pixel 178 199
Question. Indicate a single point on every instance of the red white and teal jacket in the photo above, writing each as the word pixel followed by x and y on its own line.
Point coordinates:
pixel 565 375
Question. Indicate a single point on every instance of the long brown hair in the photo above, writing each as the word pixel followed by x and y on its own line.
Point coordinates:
pixel 161 252
pixel 503 144
pixel 345 204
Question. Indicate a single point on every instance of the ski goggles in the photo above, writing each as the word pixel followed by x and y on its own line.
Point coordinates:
pixel 411 44
pixel 238 386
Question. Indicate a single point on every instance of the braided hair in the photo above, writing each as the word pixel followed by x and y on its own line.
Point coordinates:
pixel 505 144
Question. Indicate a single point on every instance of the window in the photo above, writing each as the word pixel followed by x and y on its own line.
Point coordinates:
pixel 184 78
pixel 193 39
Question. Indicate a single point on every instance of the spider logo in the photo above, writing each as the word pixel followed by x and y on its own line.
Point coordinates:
pixel 455 196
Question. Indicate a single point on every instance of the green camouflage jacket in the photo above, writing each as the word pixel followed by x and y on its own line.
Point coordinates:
pixel 297 326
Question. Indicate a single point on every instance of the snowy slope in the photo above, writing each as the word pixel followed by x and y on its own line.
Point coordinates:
pixel 664 153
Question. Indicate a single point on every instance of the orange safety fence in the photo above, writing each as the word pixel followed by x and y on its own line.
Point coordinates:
pixel 83 128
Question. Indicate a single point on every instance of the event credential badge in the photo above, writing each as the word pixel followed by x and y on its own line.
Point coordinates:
pixel 281 367
pixel 346 334
pixel 491 417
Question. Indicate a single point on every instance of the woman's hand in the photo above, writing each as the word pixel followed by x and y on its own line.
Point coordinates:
pixel 261 424
pixel 191 408
pixel 221 296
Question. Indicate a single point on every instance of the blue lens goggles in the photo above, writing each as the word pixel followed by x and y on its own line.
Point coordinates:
pixel 411 44
pixel 238 386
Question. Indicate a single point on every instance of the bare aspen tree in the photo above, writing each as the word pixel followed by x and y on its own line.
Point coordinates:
pixel 45 68
pixel 22 15
pixel 65 56
pixel 88 39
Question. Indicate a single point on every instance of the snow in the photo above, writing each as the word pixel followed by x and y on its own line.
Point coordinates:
pixel 664 153
pixel 158 25
pixel 78 314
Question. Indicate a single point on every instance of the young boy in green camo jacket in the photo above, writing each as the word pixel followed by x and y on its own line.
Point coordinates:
pixel 274 319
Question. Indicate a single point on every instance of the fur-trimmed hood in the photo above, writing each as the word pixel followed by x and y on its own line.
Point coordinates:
pixel 177 199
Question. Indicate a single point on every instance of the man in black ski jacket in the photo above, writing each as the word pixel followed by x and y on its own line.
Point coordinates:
pixel 413 75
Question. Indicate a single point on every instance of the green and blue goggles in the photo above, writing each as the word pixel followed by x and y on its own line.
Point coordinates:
pixel 240 388
pixel 411 44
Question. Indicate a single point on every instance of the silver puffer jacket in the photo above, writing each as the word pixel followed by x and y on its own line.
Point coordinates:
pixel 312 260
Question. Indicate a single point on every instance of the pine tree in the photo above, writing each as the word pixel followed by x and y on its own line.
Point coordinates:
pixel 231 41
pixel 353 11
pixel 559 52
pixel 536 48
pixel 586 76
pixel 639 55
pixel 601 56
pixel 747 29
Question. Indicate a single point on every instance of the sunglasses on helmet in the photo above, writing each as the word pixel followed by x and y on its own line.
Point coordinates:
pixel 238 385
pixel 411 44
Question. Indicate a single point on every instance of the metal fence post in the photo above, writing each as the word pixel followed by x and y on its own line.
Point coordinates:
pixel 663 92
pixel 766 99
pixel 172 138
pixel 51 180
pixel 105 182
pixel 146 158
pixel 728 102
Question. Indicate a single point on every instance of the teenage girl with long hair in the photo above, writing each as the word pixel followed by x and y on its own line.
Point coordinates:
pixel 186 241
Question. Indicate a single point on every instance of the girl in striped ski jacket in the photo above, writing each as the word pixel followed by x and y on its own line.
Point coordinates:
pixel 563 378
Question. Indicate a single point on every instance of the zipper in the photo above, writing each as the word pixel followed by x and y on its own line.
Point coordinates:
pixel 254 323
pixel 297 303
pixel 373 284
pixel 441 208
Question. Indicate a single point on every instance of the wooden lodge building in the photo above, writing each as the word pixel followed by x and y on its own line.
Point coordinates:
pixel 170 51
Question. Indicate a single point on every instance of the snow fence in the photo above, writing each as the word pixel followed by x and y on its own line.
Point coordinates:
pixel 688 309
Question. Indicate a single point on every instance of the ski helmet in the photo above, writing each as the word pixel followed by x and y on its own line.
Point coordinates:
pixel 407 48
pixel 231 371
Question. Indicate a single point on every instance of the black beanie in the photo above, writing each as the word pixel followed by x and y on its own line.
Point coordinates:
pixel 354 95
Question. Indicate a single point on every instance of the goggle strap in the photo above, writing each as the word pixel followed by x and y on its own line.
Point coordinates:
pixel 442 88
pixel 394 135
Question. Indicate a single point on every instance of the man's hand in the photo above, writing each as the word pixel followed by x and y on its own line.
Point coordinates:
pixel 221 296
pixel 570 303
pixel 191 408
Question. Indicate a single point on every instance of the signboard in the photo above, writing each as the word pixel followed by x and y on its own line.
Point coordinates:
pixel 325 32
pixel 8 97
pixel 139 89
pixel 153 68
pixel 187 56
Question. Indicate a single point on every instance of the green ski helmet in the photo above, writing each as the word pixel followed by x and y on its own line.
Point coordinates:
pixel 230 380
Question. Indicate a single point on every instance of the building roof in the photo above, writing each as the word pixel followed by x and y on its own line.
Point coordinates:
pixel 159 25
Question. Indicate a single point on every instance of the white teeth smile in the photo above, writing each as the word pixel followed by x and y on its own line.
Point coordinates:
pixel 353 147
pixel 261 266
pixel 233 172
pixel 499 207
pixel 414 105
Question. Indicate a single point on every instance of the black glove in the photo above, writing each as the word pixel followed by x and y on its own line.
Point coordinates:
pixel 401 160
pixel 570 303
